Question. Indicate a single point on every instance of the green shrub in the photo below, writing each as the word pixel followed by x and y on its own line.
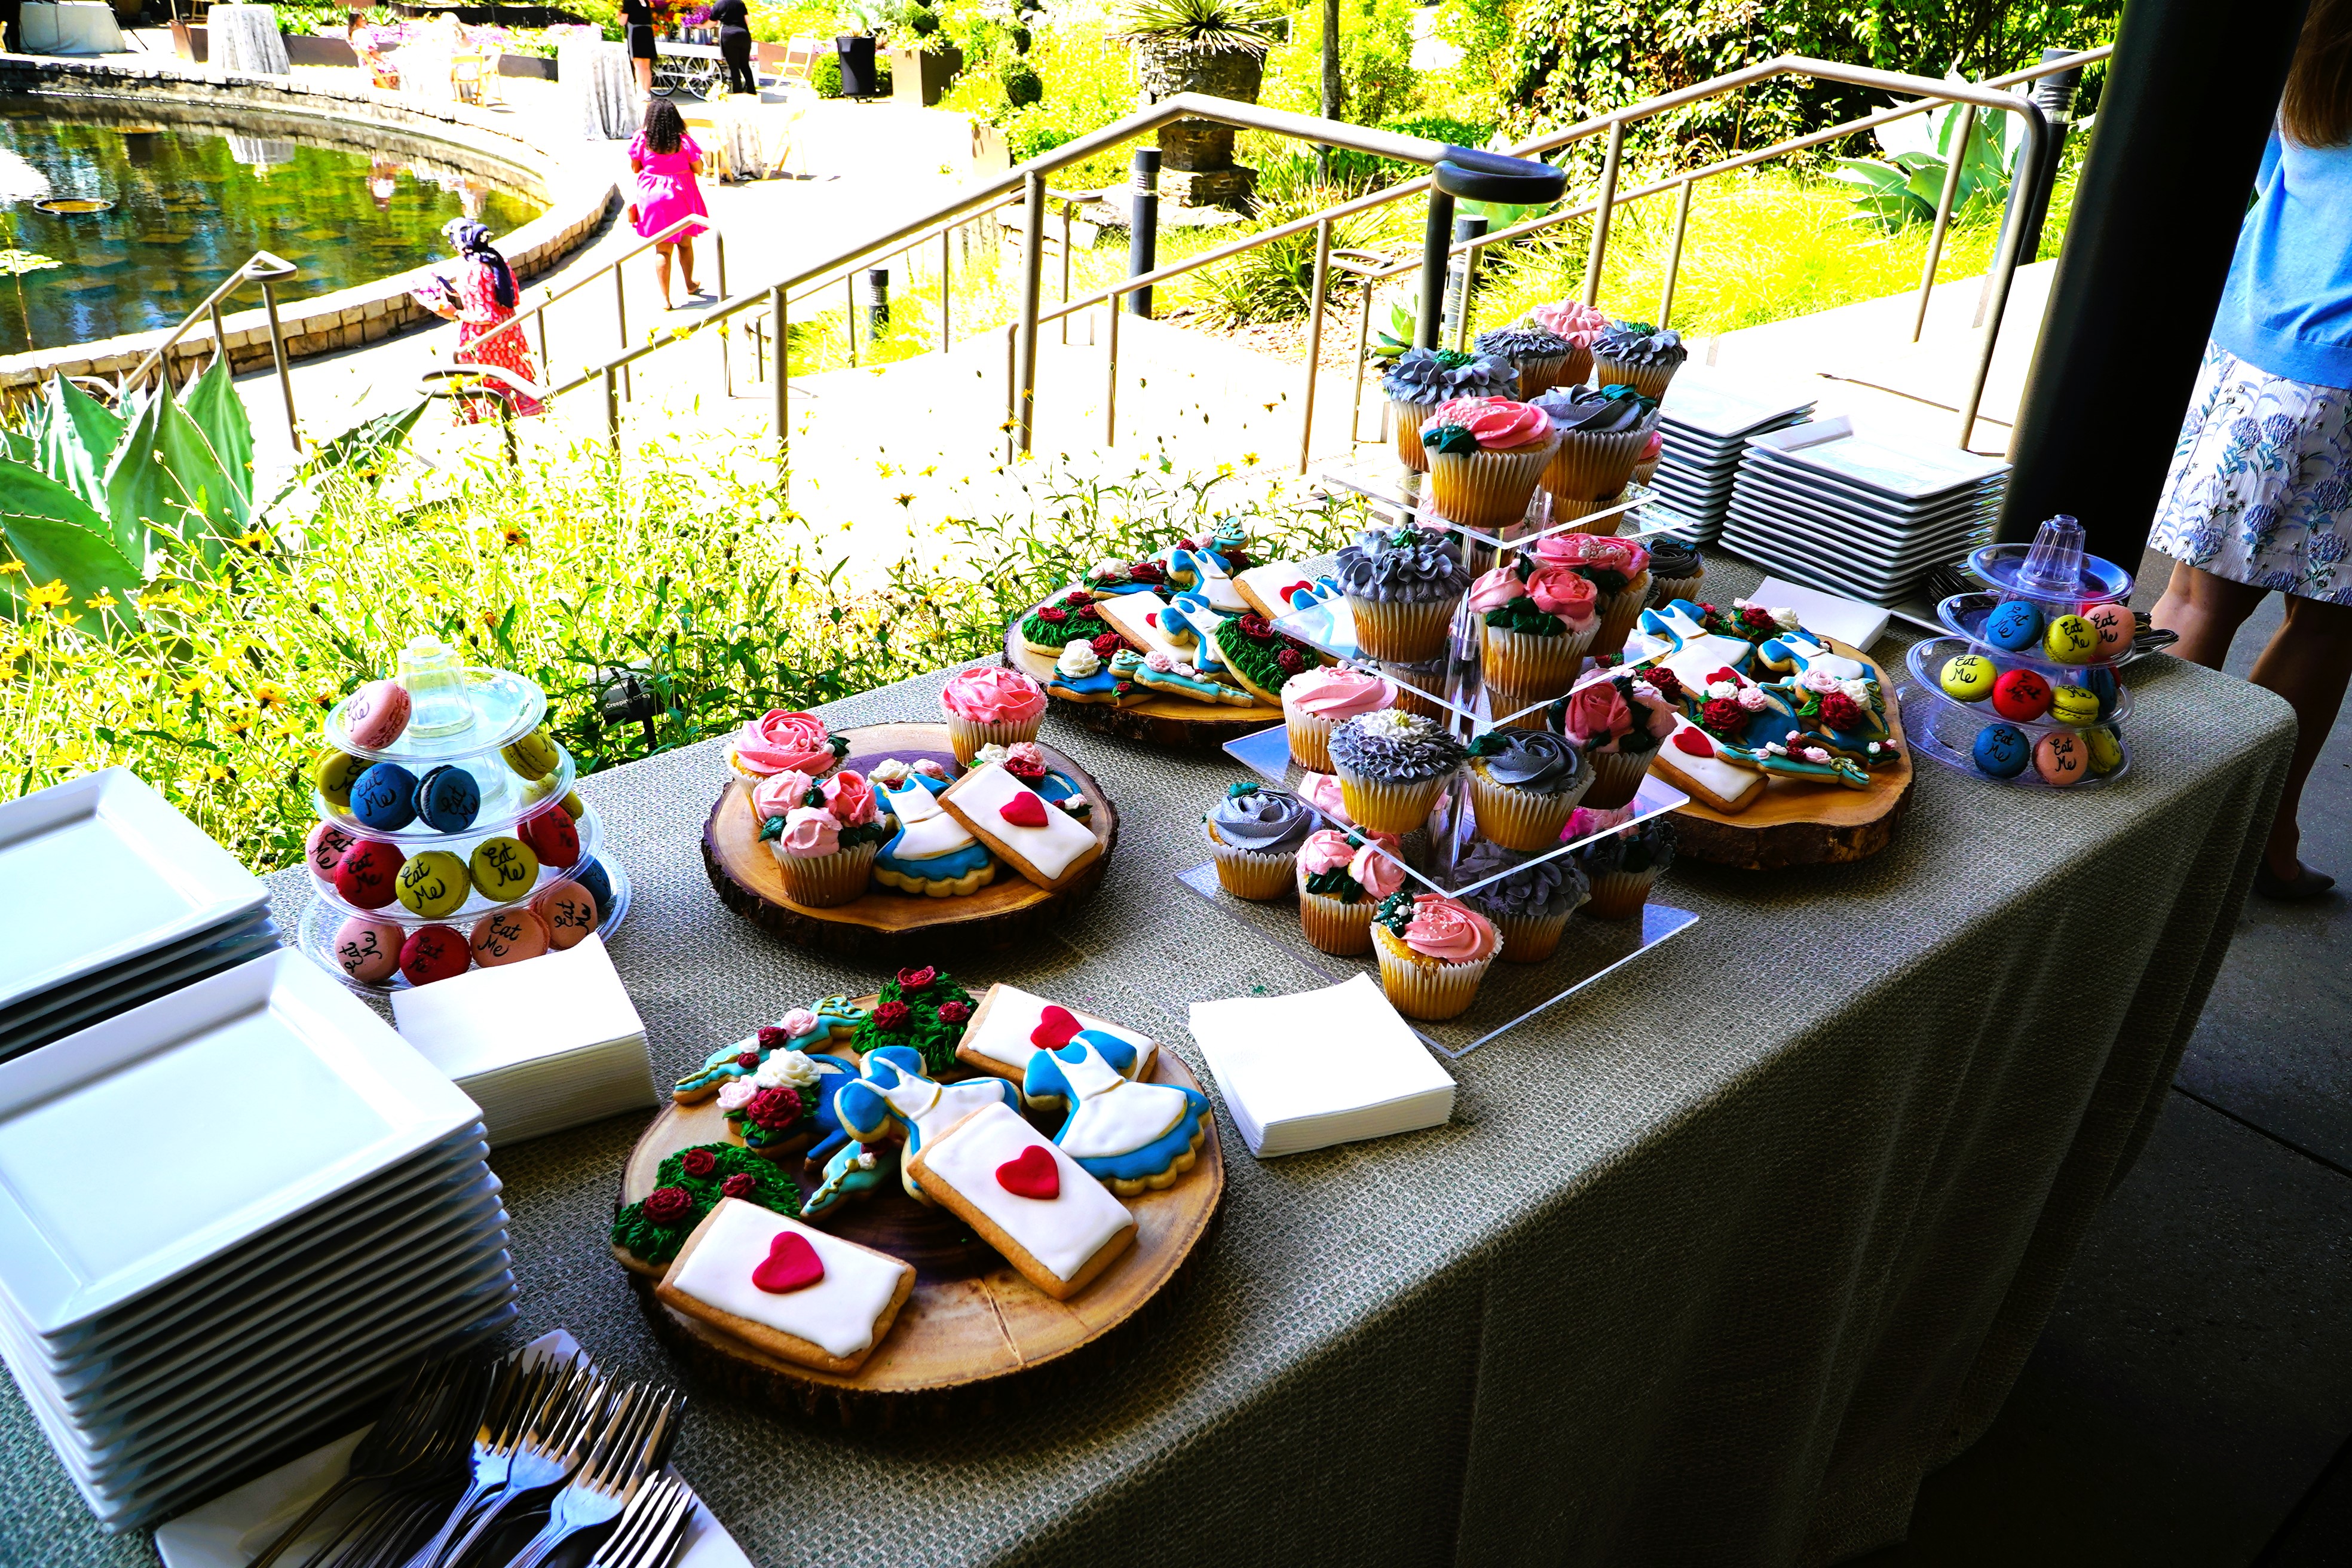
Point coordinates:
pixel 1275 282
pixel 1023 85
pixel 825 75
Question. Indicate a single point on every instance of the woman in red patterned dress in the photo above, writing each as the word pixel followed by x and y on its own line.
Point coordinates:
pixel 478 293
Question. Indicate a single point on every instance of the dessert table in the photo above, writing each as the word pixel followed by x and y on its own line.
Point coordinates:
pixel 73 28
pixel 1713 1263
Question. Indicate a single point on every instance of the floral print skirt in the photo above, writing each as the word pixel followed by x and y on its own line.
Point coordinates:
pixel 2261 488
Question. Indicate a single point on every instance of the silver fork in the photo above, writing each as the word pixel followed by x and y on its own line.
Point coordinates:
pixel 628 1452
pixel 518 1397
pixel 408 1439
pixel 554 1447
pixel 651 1530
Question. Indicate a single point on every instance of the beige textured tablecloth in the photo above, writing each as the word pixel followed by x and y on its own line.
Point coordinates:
pixel 1713 1264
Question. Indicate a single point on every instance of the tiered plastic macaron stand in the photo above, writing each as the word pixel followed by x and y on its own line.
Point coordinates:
pixel 466 717
pixel 1511 994
pixel 2063 745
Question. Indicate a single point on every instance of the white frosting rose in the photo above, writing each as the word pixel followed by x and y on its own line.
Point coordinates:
pixel 786 1070
pixel 1079 661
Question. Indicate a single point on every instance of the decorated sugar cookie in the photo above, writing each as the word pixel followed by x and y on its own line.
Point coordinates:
pixel 1080 674
pixel 1011 1026
pixel 1127 1135
pixel 853 1172
pixel 1797 652
pixel 1020 1193
pixel 786 1103
pixel 932 854
pixel 1692 761
pixel 787 1289
pixel 1156 671
pixel 1044 844
pixel 894 1100
pixel 1144 621
pixel 1025 761
pixel 686 1187
pixel 1198 570
pixel 1675 640
pixel 805 1028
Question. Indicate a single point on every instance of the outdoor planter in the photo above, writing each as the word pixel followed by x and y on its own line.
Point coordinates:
pixel 919 77
pixel 1196 156
pixel 856 52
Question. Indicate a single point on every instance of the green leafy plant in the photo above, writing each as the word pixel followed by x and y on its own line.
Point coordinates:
pixel 1023 85
pixel 1245 25
pixel 1921 149
pixel 1403 320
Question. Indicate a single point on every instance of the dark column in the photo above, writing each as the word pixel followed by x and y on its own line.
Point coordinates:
pixel 2190 93
pixel 1143 226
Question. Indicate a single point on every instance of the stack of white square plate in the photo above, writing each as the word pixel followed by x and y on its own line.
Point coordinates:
pixel 227 1219
pixel 1707 419
pixel 115 898
pixel 1865 514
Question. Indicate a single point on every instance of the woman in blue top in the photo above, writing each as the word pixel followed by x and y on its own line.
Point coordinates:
pixel 2259 496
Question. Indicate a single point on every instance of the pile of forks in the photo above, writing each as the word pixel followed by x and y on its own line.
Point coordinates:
pixel 469 1453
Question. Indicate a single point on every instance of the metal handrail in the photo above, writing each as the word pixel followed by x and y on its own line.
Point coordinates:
pixel 1455 170
pixel 263 267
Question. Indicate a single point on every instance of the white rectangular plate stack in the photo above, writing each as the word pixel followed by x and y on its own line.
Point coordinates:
pixel 227 1219
pixel 1867 514
pixel 540 1047
pixel 1707 419
pixel 115 900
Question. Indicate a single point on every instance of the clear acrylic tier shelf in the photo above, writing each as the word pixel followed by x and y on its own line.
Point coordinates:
pixel 592 843
pixel 324 919
pixel 507 799
pixel 504 707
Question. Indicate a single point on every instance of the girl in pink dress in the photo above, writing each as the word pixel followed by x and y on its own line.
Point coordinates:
pixel 666 160
pixel 477 292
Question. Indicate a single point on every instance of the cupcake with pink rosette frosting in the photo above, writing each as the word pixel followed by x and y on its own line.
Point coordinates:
pixel 1618 723
pixel 824 834
pixel 1487 454
pixel 1621 865
pixel 1654 451
pixel 1540 617
pixel 1343 878
pixel 991 706
pixel 1619 568
pixel 1315 699
pixel 1580 324
pixel 784 743
pixel 1433 951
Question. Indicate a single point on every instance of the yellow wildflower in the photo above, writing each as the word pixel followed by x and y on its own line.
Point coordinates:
pixel 268 693
pixel 8 566
pixel 48 594
pixel 102 600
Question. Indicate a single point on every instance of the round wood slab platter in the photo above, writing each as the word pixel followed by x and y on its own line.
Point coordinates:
pixel 974 1337
pixel 1798 824
pixel 886 927
pixel 1167 722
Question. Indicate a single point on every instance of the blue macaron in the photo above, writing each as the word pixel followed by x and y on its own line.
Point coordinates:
pixel 2015 625
pixel 383 798
pixel 592 876
pixel 2002 751
pixel 447 799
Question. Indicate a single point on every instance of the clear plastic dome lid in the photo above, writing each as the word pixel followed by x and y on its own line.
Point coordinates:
pixel 2053 565
pixel 435 678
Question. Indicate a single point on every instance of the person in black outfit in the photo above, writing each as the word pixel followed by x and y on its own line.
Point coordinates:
pixel 735 45
pixel 638 16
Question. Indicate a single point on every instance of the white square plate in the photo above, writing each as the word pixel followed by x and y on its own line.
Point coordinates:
pixel 1840 504
pixel 1759 462
pixel 79 1011
pixel 1900 471
pixel 113 871
pixel 1726 405
pixel 265 1091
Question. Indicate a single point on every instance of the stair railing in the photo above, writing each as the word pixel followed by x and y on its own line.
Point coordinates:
pixel 262 268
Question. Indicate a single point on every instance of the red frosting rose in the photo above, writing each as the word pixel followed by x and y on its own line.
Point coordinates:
pixel 772 1038
pixel 1053 615
pixel 667 1205
pixel 1290 660
pixel 889 1016
pixel 1254 627
pixel 916 978
pixel 1669 684
pixel 747 1060
pixel 1723 715
pixel 954 1012
pixel 1106 644
pixel 741 1184
pixel 1148 572
pixel 775 1108
pixel 1840 711
pixel 698 1162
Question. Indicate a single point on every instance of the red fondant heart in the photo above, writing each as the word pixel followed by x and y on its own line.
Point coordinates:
pixel 1033 1174
pixel 1024 810
pixel 792 1264
pixel 1301 586
pixel 1694 742
pixel 1056 1028
pixel 1150 617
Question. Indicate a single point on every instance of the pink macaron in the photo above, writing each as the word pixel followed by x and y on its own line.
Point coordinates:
pixel 376 714
pixel 369 951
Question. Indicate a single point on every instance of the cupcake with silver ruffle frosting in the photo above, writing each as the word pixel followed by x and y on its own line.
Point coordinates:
pixel 1254 834
pixel 1530 903
pixel 1402 586
pixel 1421 379
pixel 1392 766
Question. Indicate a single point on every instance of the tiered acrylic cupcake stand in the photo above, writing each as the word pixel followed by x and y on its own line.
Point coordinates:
pixel 2056 578
pixel 462 716
pixel 1510 993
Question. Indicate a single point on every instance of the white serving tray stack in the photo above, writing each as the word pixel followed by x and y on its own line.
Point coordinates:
pixel 1707 419
pixel 1865 513
pixel 228 1218
pixel 115 898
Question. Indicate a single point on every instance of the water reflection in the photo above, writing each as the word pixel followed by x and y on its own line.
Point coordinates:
pixel 194 201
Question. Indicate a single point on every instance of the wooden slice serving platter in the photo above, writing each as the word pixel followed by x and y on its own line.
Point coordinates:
pixel 1794 823
pixel 1169 722
pixel 975 1336
pixel 886 927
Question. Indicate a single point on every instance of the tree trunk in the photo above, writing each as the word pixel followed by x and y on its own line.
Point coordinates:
pixel 1334 95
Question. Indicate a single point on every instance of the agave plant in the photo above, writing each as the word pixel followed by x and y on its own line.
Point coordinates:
pixel 88 493
pixel 1905 191
pixel 1245 25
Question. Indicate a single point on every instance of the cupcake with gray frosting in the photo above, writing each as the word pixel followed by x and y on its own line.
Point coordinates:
pixel 1600 435
pixel 1523 784
pixel 1255 834
pixel 1538 353
pixel 1402 586
pixel 1392 766
pixel 1530 903
pixel 1620 865
pixel 1421 379
pixel 1676 569
pixel 1638 353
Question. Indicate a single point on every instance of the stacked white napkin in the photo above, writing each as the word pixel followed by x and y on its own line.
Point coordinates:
pixel 1320 1068
pixel 540 1047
